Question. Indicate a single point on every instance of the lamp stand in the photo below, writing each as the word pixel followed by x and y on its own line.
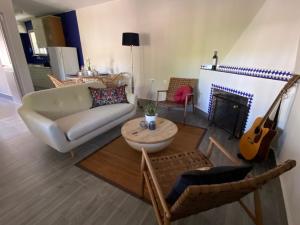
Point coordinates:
pixel 132 76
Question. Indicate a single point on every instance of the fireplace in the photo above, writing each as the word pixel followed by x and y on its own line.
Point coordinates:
pixel 229 109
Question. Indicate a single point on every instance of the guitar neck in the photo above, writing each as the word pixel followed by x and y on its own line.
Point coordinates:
pixel 279 96
pixel 290 83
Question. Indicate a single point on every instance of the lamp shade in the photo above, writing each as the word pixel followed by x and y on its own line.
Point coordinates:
pixel 129 39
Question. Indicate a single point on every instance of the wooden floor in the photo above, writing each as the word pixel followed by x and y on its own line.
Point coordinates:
pixel 38 185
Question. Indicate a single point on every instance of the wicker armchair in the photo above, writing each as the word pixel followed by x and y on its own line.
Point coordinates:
pixel 160 173
pixel 174 84
pixel 61 83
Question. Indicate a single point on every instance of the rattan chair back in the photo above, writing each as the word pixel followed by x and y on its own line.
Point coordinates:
pixel 113 80
pixel 59 83
pixel 176 82
pixel 55 81
pixel 199 198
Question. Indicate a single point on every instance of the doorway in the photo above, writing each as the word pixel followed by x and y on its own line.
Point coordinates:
pixel 9 89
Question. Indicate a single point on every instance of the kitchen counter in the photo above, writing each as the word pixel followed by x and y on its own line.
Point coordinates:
pixel 38 66
pixel 39 75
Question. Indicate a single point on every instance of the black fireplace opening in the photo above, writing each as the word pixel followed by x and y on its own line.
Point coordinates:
pixel 229 111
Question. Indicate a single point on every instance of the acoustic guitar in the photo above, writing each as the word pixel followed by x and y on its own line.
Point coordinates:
pixel 255 143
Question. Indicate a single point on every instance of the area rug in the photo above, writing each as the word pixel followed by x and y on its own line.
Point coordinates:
pixel 119 164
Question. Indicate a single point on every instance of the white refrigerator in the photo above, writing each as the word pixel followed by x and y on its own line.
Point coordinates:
pixel 63 61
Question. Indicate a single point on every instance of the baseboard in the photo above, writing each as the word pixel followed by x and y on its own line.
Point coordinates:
pixel 201 112
pixel 198 111
pixel 142 102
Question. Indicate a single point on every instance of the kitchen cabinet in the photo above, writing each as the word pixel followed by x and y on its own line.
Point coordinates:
pixel 48 31
pixel 39 75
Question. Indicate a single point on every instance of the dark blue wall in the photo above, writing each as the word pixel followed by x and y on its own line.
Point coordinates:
pixel 26 45
pixel 72 37
pixel 71 31
pixel 28 25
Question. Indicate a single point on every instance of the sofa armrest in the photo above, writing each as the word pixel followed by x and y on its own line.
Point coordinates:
pixel 44 128
pixel 132 98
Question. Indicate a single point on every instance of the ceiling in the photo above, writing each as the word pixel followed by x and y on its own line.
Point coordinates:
pixel 25 9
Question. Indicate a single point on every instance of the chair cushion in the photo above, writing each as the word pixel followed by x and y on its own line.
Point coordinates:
pixel 181 93
pixel 214 175
pixel 108 96
pixel 81 123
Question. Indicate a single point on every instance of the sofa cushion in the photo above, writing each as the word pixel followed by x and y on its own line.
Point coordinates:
pixel 56 103
pixel 82 123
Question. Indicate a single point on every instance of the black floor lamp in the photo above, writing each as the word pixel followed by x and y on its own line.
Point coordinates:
pixel 131 39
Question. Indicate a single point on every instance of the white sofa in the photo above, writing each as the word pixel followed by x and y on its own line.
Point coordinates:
pixel 63 117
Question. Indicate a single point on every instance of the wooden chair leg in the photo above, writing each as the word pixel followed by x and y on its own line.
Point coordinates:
pixel 143 179
pixel 166 221
pixel 193 104
pixel 185 110
pixel 258 210
pixel 184 115
pixel 257 216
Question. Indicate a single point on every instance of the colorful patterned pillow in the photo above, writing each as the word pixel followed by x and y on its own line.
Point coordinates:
pixel 108 96
pixel 121 96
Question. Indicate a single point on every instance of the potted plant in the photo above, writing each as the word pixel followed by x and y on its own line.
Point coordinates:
pixel 150 112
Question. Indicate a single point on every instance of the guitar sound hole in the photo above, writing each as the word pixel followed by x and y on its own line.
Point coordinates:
pixel 257 130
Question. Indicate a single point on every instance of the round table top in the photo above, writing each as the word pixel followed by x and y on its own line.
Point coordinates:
pixel 165 130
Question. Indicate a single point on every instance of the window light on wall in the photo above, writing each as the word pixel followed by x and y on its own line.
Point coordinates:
pixel 35 48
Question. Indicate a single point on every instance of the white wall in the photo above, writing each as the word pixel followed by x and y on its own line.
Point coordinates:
pixel 101 27
pixel 5 64
pixel 4 55
pixel 4 87
pixel 271 39
pixel 176 36
pixel 290 150
pixel 21 72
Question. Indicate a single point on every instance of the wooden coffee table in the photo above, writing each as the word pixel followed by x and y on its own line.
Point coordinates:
pixel 151 140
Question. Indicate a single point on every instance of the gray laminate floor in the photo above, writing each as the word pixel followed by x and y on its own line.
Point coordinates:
pixel 38 185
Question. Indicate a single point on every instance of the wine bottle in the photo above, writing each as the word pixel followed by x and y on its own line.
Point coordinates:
pixel 215 60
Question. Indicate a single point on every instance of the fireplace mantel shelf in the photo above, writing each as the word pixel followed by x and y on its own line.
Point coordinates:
pixel 252 72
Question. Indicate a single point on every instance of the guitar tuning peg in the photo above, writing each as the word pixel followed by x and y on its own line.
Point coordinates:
pixel 285 95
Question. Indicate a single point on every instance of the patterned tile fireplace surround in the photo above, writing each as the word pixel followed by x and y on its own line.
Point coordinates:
pixel 260 86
